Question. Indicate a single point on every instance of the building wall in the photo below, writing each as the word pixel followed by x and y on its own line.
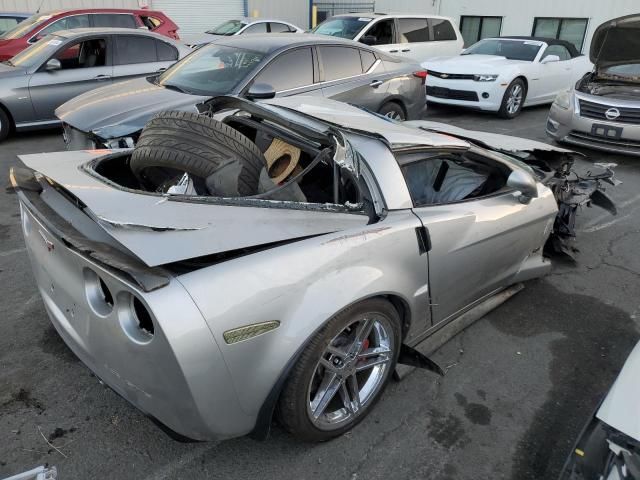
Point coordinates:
pixel 518 15
pixel 32 5
pixel 294 11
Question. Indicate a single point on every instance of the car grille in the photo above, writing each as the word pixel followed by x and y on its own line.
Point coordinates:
pixel 618 143
pixel 451 76
pixel 597 111
pixel 75 139
pixel 441 92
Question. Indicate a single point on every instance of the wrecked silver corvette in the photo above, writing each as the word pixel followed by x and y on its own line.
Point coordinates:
pixel 292 287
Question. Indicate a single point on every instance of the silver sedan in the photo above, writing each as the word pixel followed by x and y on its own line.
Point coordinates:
pixel 65 64
pixel 349 241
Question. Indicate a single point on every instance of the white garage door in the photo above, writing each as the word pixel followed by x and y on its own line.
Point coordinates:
pixel 197 16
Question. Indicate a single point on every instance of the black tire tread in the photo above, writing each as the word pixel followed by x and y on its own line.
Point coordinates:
pixel 5 124
pixel 196 144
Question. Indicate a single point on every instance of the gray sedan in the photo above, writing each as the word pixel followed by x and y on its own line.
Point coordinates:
pixel 323 246
pixel 244 65
pixel 65 64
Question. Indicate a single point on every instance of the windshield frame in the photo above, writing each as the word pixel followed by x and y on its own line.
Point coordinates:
pixel 242 24
pixel 352 18
pixel 537 43
pixel 162 79
pixel 24 27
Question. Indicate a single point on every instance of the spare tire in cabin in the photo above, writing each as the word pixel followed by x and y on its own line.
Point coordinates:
pixel 175 143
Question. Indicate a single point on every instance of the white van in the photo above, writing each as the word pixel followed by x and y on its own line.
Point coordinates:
pixel 419 37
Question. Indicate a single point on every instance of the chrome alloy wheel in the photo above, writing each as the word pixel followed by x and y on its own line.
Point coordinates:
pixel 514 100
pixel 393 115
pixel 351 371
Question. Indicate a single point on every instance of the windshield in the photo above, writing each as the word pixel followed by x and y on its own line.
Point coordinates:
pixel 227 28
pixel 25 26
pixel 511 49
pixel 629 71
pixel 37 53
pixel 343 27
pixel 211 70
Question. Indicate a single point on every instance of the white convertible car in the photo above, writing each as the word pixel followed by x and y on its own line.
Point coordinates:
pixel 505 74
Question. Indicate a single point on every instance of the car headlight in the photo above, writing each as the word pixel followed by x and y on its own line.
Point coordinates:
pixel 562 100
pixel 485 78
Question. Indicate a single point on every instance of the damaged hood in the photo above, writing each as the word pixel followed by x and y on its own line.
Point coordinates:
pixel 122 108
pixel 621 408
pixel 616 42
pixel 180 230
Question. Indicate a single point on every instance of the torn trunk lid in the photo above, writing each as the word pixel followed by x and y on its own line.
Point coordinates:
pixel 160 229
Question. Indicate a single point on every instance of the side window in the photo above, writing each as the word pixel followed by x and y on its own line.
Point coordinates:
pixel 166 52
pixel 114 20
pixel 559 50
pixel 66 23
pixel 442 29
pixel 413 30
pixel 87 54
pixel 256 28
pixel 441 178
pixel 135 49
pixel 383 31
pixel 7 23
pixel 289 70
pixel 279 28
pixel 151 22
pixel 368 59
pixel 340 62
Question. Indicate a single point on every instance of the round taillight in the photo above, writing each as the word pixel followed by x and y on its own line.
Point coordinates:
pixel 135 318
pixel 99 296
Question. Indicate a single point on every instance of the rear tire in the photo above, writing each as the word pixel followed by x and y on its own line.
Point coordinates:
pixel 174 142
pixel 393 111
pixel 329 362
pixel 513 99
pixel 5 125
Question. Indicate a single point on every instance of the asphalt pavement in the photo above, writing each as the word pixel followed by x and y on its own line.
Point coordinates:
pixel 520 382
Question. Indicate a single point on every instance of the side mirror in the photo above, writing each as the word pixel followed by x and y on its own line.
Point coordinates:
pixel 260 91
pixel 524 183
pixel 53 64
pixel 550 58
pixel 369 39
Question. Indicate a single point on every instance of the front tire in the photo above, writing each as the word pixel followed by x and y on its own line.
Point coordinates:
pixel 5 125
pixel 513 99
pixel 342 372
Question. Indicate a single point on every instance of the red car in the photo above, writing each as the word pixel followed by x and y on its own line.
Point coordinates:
pixel 39 25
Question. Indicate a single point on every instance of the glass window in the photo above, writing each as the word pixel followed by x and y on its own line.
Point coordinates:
pixel 7 23
pixel 559 50
pixel 413 30
pixel 289 70
pixel 135 49
pixel 279 28
pixel 570 29
pixel 25 26
pixel 340 62
pixel 166 52
pixel 114 20
pixel 230 27
pixel 512 49
pixel 383 31
pixel 368 59
pixel 343 27
pixel 474 29
pixel 442 29
pixel 87 54
pixel 211 70
pixel 256 28
pixel 66 23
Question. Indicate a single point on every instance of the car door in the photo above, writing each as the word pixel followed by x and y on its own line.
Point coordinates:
pixel 258 27
pixel 292 72
pixel 414 38
pixel 85 64
pixel 352 75
pixel 139 55
pixel 479 230
pixel 446 41
pixel 382 35
pixel 556 75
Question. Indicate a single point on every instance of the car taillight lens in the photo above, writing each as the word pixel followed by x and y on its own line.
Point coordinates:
pixel 174 34
pixel 421 74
